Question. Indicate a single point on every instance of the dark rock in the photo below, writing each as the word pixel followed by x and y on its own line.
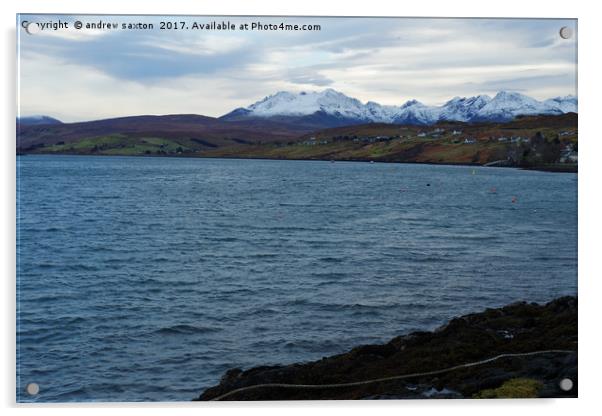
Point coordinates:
pixel 231 375
pixel 517 328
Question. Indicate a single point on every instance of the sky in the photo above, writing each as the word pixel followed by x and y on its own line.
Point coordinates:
pixel 89 74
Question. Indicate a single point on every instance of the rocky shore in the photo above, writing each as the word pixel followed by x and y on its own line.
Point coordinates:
pixel 549 331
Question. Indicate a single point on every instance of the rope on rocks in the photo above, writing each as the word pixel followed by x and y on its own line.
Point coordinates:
pixel 379 380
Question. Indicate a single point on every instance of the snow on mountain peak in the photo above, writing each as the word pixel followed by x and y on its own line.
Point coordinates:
pixel 505 105
pixel 305 103
pixel 566 104
pixel 462 108
pixel 411 103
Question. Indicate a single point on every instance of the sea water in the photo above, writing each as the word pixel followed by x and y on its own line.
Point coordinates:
pixel 148 278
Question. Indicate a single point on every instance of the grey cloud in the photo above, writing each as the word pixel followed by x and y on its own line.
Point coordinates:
pixel 124 56
pixel 302 76
pixel 375 58
pixel 523 83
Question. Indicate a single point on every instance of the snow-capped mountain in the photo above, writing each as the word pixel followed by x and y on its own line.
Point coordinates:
pixel 333 108
pixel 414 112
pixel 566 104
pixel 381 113
pixel 285 103
pixel 462 108
pixel 507 105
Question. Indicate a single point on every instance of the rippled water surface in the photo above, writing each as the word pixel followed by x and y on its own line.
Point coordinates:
pixel 148 278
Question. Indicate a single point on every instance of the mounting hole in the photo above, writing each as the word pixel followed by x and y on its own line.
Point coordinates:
pixel 566 32
pixel 32 389
pixel 32 28
pixel 566 384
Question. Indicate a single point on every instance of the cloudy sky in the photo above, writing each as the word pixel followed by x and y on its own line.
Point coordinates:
pixel 91 74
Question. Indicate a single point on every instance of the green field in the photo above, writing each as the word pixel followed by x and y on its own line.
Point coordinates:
pixel 119 144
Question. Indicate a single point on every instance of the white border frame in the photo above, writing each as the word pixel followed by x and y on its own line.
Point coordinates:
pixel 589 195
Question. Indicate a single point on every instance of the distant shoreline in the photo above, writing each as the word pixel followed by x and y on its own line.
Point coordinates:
pixel 559 168
pixel 548 143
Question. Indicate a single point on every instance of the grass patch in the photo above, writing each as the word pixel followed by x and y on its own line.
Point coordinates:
pixel 119 144
pixel 516 388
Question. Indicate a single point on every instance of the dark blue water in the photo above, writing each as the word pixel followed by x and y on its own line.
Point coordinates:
pixel 148 278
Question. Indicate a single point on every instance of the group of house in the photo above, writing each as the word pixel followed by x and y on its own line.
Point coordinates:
pixel 568 154
pixel 436 133
pixel 374 139
pixel 513 139
pixel 312 141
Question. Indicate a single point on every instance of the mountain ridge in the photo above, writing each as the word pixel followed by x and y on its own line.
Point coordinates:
pixel 342 109
pixel 331 108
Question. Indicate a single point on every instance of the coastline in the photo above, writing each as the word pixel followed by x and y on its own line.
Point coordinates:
pixel 569 168
pixel 536 345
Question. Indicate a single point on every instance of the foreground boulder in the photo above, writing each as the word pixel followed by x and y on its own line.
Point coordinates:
pixel 548 331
